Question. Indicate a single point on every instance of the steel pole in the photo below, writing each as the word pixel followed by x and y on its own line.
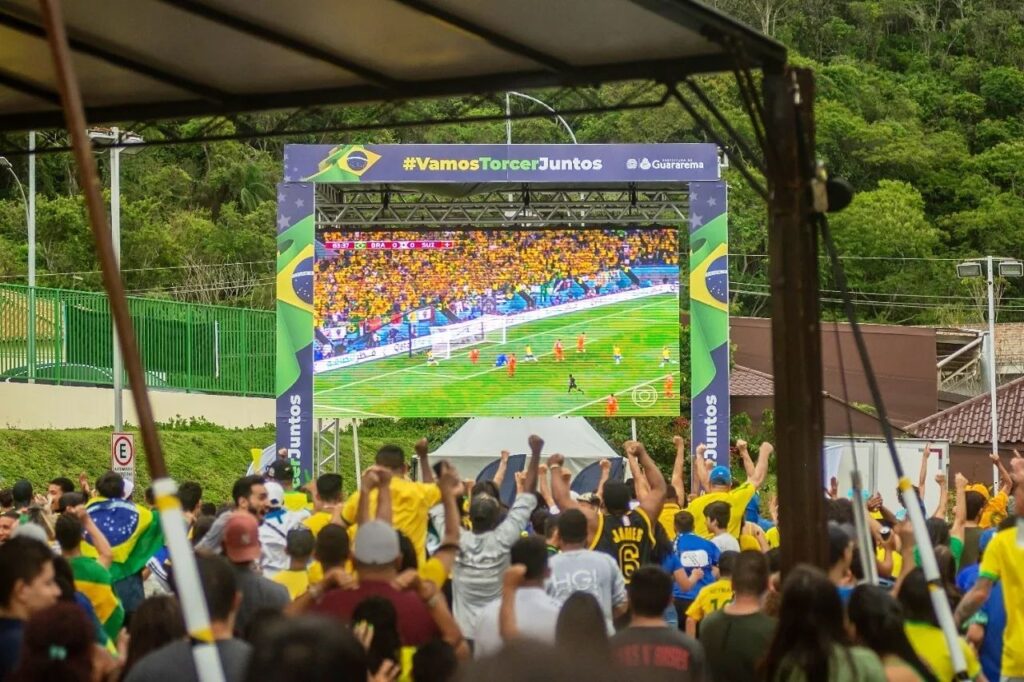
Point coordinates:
pixel 994 407
pixel 31 221
pixel 115 237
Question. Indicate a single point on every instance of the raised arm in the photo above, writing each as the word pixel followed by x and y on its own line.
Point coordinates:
pixel 652 499
pixel 560 486
pixel 606 473
pixel 369 481
pixel 544 485
pixel 677 470
pixel 922 476
pixel 536 445
pixel 1004 475
pixel 702 470
pixel 105 554
pixel 426 473
pixel 384 508
pixel 761 470
pixel 940 510
pixel 641 484
pixel 748 463
pixel 960 507
pixel 499 475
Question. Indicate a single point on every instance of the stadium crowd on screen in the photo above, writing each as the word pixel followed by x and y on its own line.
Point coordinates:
pixel 667 576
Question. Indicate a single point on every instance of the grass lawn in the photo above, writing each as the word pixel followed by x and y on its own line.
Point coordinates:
pixel 401 386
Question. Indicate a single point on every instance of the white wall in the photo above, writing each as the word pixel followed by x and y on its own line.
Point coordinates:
pixel 43 406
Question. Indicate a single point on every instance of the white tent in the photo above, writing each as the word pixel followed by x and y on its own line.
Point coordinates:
pixel 480 441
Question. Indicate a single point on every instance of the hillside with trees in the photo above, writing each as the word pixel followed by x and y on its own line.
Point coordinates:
pixel 920 104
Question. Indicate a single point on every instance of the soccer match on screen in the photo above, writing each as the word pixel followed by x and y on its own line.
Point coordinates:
pixel 496 323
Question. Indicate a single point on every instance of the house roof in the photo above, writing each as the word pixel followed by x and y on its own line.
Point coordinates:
pixel 745 382
pixel 970 421
pixel 139 60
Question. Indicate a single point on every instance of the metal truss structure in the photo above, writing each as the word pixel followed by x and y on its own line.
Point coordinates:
pixel 326 451
pixel 525 206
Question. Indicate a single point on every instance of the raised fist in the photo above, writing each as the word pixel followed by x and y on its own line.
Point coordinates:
pixel 421 447
pixel 556 460
pixel 605 465
pixel 536 444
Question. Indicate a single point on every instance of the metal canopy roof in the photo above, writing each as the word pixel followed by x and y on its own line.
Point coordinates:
pixel 149 59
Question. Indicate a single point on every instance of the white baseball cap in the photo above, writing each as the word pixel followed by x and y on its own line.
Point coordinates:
pixel 275 493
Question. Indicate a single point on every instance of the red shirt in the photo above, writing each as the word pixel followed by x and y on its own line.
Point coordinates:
pixel 415 624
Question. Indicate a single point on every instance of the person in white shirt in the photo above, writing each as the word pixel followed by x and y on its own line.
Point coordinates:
pixel 717 515
pixel 525 609
pixel 578 569
pixel 277 522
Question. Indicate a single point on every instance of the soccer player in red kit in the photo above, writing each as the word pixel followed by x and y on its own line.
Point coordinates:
pixel 611 407
pixel 669 381
pixel 512 365
pixel 474 355
pixel 580 340
pixel 559 351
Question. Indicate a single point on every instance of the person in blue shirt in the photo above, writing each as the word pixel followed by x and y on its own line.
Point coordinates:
pixel 692 563
pixel 986 628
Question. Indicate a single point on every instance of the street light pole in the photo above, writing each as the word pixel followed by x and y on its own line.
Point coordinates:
pixel 508 115
pixel 990 283
pixel 31 220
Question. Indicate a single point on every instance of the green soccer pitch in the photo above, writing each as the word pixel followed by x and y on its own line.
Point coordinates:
pixel 401 386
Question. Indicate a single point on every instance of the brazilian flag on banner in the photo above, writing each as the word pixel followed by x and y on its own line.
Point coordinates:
pixel 94 581
pixel 133 532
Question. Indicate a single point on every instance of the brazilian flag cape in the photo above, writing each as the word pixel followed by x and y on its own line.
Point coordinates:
pixel 132 530
pixel 94 581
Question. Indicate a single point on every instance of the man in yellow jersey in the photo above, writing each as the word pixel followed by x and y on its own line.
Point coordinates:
pixel 717 481
pixel 529 356
pixel 714 596
pixel 327 499
pixel 1004 562
pixel 617 354
pixel 410 500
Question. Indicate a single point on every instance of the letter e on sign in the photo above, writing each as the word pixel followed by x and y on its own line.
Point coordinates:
pixel 122 455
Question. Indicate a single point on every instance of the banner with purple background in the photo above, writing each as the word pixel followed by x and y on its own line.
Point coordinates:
pixel 709 320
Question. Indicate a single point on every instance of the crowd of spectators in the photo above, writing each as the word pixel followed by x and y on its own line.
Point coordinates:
pixel 440 578
pixel 360 284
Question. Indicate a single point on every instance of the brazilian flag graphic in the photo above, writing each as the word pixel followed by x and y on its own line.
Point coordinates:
pixel 345 163
pixel 94 581
pixel 133 531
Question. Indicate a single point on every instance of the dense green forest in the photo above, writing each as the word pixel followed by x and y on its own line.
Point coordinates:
pixel 920 105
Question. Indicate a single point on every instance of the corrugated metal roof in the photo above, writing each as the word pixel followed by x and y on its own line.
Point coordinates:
pixel 971 421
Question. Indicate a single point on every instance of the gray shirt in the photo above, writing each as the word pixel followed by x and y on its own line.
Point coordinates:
pixel 174 663
pixel 584 570
pixel 258 594
pixel 481 563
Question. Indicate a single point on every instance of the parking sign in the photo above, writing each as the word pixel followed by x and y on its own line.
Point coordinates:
pixel 122 455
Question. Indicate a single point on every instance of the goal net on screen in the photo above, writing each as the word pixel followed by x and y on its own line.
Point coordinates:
pixel 450 338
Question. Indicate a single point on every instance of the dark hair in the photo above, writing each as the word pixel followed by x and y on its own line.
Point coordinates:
pixel 947 574
pixel 572 526
pixel 64 577
pixel 62 627
pixel 243 487
pixel 434 661
pixel 938 531
pixel 616 497
pixel 839 511
pixel 299 543
pixel 110 485
pixel 407 550
pixel 208 509
pixel 328 487
pixel 68 530
pixel 810 624
pixel 261 621
pixel 670 494
pixel 720 512
pixel 332 546
pixel 200 527
pixel 532 552
pixel 774 557
pixel 149 496
pixel 726 562
pixel 64 483
pixel 838 543
pixel 539 519
pixel 974 503
pixel 6 498
pixel 21 558
pixel 631 487
pixel 10 514
pixel 750 573
pixel 72 499
pixel 879 622
pixel 190 493
pixel 650 591
pixel 157 621
pixel 219 585
pixel 487 488
pixel 581 625
pixel 309 648
pixel 550 526
pixel 386 643
pixel 390 456
pixel 915 598
pixel 21 493
pixel 683 522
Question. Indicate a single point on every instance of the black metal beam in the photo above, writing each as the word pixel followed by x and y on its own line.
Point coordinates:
pixel 496 39
pixel 668 71
pixel 107 53
pixel 272 35
pixel 27 87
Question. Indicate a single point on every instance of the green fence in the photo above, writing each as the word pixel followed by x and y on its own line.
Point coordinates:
pixel 65 337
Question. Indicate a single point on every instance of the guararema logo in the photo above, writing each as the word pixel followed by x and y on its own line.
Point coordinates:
pixel 645 163
pixel 358 160
pixel 631 164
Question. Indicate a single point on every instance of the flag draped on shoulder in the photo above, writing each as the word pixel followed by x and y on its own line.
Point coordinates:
pixel 133 532
pixel 94 581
